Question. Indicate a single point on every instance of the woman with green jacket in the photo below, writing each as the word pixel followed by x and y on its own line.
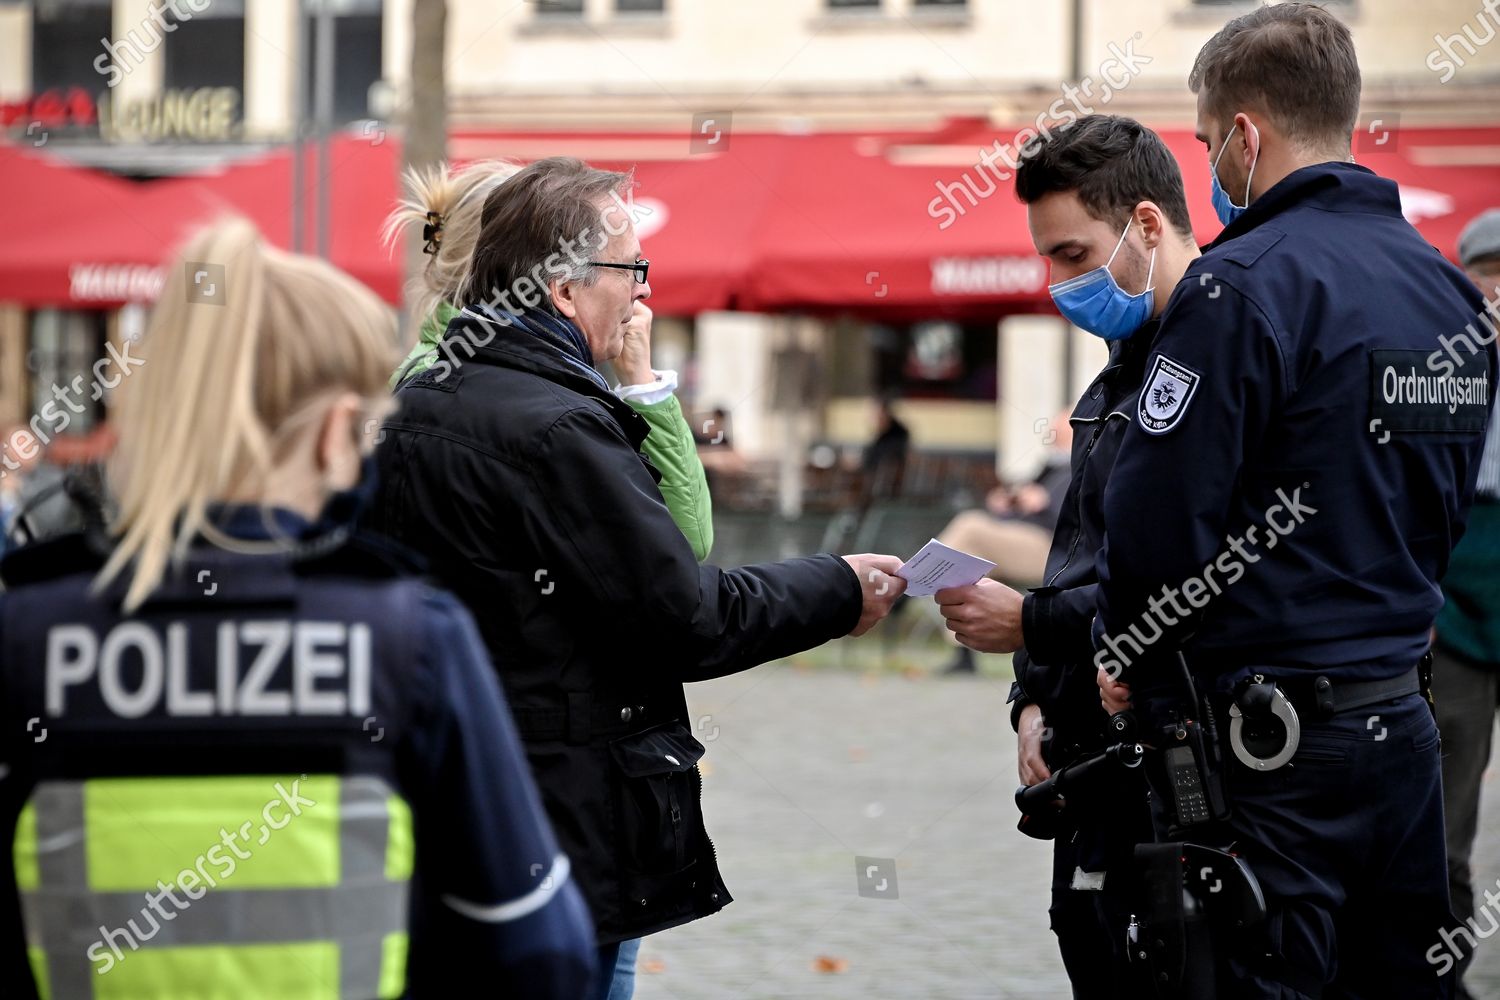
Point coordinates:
pixel 448 204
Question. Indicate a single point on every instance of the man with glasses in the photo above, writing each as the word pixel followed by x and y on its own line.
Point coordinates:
pixel 640 267
pixel 516 470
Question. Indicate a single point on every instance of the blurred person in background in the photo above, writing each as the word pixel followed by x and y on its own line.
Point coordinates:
pixel 448 205
pixel 717 431
pixel 714 438
pixel 1106 208
pixel 884 461
pixel 235 656
pixel 1466 653
pixel 517 470
pixel 1014 529
pixel 37 499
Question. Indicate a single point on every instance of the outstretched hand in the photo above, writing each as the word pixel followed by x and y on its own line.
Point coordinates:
pixel 879 587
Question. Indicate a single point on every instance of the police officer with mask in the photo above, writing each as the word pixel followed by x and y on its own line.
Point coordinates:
pixel 1106 207
pixel 1298 470
pixel 244 751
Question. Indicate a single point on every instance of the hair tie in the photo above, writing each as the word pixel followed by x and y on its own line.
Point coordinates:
pixel 432 232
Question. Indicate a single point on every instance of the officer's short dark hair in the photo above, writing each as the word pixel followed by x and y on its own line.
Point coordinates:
pixel 1293 63
pixel 1112 163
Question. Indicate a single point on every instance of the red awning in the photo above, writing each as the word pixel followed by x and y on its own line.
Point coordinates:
pixel 697 214
pixel 891 225
pixel 72 235
pixel 856 228
pixel 101 241
pixel 361 190
pixel 916 227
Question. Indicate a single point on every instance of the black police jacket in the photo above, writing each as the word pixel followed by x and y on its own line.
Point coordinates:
pixel 520 479
pixel 336 661
pixel 1055 668
pixel 1304 452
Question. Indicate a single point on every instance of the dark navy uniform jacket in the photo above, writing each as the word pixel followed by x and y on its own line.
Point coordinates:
pixel 490 902
pixel 1300 402
pixel 1055 668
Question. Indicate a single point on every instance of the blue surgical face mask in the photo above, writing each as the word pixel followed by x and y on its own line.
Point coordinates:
pixel 1096 303
pixel 1226 210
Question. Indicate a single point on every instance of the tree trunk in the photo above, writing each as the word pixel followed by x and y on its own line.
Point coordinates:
pixel 426 118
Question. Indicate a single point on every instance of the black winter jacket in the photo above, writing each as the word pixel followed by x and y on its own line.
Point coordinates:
pixel 1055 668
pixel 521 480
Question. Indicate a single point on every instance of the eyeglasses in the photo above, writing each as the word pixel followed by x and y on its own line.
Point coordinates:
pixel 640 267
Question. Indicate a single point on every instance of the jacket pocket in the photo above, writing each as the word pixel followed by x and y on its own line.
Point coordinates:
pixel 657 802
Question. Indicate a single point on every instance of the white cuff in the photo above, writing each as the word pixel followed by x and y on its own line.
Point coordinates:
pixel 650 392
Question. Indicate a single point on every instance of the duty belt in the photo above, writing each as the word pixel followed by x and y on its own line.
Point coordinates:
pixel 1324 698
pixel 1267 713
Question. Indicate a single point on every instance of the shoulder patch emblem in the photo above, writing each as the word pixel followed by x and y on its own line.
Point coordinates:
pixel 1168 390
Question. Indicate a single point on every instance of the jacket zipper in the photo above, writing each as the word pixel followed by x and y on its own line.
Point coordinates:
pixel 1116 362
pixel 679 840
pixel 1078 512
pixel 712 853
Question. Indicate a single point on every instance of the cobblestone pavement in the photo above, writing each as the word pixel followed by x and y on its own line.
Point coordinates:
pixel 808 770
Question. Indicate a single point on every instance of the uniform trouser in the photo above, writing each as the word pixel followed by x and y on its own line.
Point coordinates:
pixel 1465 695
pixel 1090 928
pixel 1090 924
pixel 1347 844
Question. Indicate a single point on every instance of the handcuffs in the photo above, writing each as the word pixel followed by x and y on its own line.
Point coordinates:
pixel 1264 729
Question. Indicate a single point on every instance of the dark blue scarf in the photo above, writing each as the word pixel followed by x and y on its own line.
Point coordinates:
pixel 555 331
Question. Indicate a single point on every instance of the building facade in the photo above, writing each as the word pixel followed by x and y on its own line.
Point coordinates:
pixel 152 88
